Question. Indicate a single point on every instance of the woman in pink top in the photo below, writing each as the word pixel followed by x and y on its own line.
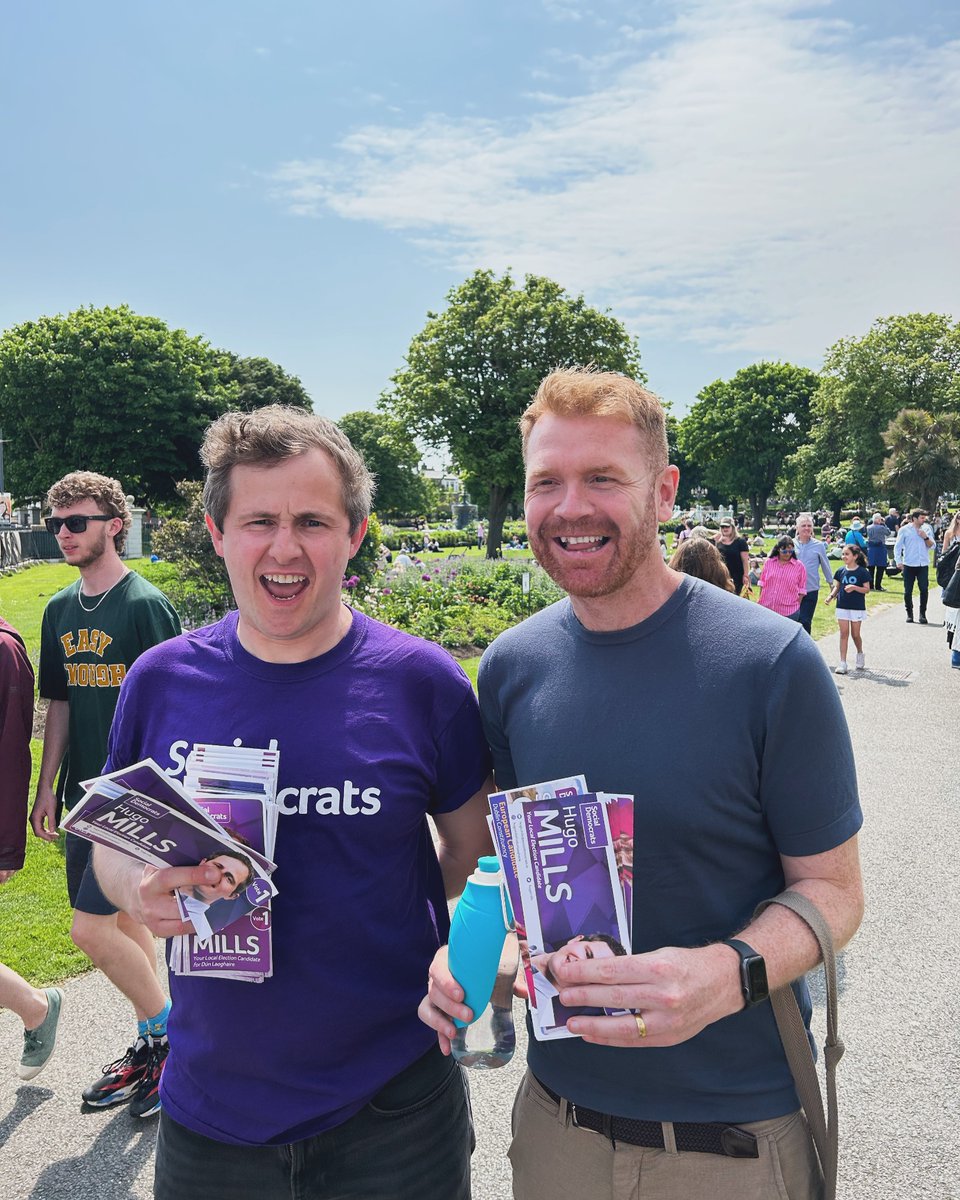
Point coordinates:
pixel 783 580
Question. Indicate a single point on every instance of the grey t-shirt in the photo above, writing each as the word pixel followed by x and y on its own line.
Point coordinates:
pixel 697 711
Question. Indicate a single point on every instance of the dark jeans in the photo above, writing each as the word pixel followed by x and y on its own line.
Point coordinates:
pixel 922 576
pixel 412 1141
pixel 808 606
pixel 876 576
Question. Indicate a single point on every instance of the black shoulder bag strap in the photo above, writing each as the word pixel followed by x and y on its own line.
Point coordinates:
pixel 796 1044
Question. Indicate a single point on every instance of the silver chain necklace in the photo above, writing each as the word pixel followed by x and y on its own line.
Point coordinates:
pixel 102 598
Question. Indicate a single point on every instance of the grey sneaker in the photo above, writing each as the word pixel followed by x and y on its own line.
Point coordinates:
pixel 841 669
pixel 40 1043
pixel 861 662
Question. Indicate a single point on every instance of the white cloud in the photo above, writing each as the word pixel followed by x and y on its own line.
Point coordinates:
pixel 744 178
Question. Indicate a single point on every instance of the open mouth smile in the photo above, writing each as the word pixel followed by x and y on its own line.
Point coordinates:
pixel 283 587
pixel 582 544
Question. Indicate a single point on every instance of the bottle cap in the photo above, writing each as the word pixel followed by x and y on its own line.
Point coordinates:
pixel 489 863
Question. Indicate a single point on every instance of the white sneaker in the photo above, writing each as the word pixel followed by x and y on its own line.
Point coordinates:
pixel 861 662
pixel 842 669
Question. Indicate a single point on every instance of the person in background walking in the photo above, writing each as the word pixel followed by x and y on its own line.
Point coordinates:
pixel 877 534
pixel 735 553
pixel 813 555
pixel 912 554
pixel 37 1008
pixel 93 630
pixel 951 613
pixel 851 584
pixel 854 535
pixel 783 580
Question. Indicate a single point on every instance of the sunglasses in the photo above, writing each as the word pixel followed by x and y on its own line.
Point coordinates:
pixel 74 524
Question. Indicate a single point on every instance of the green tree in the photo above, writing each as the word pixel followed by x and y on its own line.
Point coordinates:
pixel 903 362
pixel 392 455
pixel 104 389
pixel 740 431
pixel 255 382
pixel 924 458
pixel 473 369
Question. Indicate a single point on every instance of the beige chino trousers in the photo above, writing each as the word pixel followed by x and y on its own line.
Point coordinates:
pixel 554 1160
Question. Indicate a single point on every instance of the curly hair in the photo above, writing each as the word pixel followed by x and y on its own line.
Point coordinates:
pixel 105 492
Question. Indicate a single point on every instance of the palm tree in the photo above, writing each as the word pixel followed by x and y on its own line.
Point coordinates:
pixel 924 455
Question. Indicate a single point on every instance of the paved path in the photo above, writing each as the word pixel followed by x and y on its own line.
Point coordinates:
pixel 900 1014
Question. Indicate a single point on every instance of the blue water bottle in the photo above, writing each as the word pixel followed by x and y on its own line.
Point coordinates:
pixel 483 958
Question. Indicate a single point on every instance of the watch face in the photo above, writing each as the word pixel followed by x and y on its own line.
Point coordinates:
pixel 755 977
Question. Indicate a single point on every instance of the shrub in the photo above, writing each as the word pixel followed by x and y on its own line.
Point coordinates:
pixel 458 605
pixel 194 577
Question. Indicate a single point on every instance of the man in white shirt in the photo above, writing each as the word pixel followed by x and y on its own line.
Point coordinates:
pixel 912 553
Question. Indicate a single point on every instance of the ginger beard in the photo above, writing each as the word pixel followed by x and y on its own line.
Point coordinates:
pixel 606 561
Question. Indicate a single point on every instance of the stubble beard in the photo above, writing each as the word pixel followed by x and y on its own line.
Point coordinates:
pixel 93 554
pixel 575 581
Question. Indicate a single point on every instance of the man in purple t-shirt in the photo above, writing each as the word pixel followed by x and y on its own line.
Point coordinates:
pixel 320 1081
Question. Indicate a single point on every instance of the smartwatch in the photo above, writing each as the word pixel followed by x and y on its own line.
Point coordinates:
pixel 753 972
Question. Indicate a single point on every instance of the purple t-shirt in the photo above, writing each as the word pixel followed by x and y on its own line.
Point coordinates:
pixel 372 736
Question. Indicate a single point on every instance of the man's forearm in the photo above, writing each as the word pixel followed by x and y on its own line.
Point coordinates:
pixel 787 943
pixel 56 736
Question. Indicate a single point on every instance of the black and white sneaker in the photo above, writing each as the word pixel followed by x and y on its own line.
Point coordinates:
pixel 146 1098
pixel 121 1078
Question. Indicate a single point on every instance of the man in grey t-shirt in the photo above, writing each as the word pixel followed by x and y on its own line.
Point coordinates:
pixel 599 683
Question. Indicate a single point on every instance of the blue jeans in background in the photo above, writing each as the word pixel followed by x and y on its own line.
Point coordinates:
pixel 808 605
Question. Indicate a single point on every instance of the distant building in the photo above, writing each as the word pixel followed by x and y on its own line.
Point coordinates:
pixel 451 486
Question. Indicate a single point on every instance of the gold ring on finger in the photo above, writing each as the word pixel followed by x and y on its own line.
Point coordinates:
pixel 641 1025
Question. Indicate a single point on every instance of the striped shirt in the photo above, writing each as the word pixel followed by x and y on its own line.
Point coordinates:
pixel 783 585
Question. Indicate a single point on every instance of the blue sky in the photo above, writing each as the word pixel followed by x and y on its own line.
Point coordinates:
pixel 734 179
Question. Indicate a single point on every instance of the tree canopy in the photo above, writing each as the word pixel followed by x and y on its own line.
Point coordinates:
pixel 903 362
pixel 924 458
pixel 474 368
pixel 109 390
pixel 740 431
pixel 392 455
pixel 255 382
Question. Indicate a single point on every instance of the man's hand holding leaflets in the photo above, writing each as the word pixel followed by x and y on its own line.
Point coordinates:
pixel 567 861
pixel 203 846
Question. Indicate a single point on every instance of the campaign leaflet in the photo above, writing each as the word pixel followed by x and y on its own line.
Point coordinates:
pixel 147 778
pixel 242 951
pixel 241 819
pixel 500 806
pixel 236 786
pixel 146 829
pixel 571 895
pixel 620 820
pixel 245 947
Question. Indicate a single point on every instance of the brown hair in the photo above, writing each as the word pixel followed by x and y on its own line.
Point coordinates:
pixel 271 435
pixel 701 559
pixel 587 392
pixel 105 492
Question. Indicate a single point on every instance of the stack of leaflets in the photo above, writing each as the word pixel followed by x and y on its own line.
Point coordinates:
pixel 144 813
pixel 236 786
pixel 567 859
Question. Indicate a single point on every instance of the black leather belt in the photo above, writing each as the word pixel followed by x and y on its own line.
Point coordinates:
pixel 703 1138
